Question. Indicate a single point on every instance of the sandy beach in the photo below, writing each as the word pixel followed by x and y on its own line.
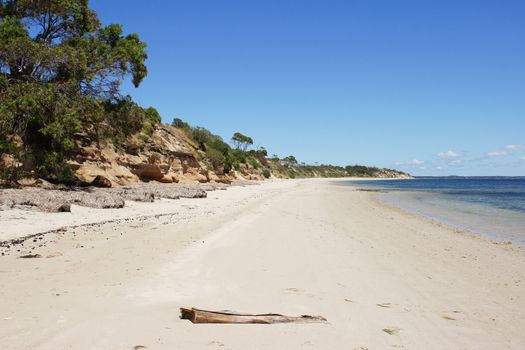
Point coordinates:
pixel 383 278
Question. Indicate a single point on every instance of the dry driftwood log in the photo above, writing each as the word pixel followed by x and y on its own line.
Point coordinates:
pixel 206 316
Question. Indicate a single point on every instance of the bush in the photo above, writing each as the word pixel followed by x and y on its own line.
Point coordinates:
pixel 253 162
pixel 125 117
pixel 201 136
pixel 267 173
pixel 152 116
pixel 148 129
pixel 215 157
pixel 179 124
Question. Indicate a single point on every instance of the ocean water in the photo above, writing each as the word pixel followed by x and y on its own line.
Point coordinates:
pixel 491 206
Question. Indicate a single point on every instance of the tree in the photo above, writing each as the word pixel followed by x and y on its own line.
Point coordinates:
pixel 241 142
pixel 180 124
pixel 152 116
pixel 60 72
pixel 201 136
pixel 289 161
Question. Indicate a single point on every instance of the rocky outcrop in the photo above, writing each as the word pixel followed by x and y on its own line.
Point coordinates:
pixel 103 198
pixel 101 181
pixel 167 156
pixel 391 174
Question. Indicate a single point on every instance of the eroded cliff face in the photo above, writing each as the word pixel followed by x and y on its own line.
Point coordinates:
pixel 167 156
pixel 391 174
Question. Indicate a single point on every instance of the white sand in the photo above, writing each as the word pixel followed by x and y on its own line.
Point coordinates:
pixel 293 247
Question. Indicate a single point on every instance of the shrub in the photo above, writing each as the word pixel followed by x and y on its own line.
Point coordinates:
pixel 179 124
pixel 215 157
pixel 201 136
pixel 253 162
pixel 152 116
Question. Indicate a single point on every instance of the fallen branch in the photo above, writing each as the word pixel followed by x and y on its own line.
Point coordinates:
pixel 206 316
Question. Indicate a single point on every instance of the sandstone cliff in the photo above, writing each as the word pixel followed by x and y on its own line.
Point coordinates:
pixel 167 156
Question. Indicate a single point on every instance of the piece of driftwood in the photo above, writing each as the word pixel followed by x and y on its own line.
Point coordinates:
pixel 206 316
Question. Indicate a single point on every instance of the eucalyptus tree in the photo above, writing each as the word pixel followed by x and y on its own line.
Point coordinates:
pixel 241 142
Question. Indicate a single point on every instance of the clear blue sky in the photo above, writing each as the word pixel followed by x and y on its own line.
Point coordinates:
pixel 433 87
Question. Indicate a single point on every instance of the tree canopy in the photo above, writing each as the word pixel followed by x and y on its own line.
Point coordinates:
pixel 241 142
pixel 60 72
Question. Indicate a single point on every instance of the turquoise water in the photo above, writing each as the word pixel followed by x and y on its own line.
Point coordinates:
pixel 491 206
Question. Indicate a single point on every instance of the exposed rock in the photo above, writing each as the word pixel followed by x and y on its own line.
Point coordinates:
pixel 101 181
pixel 167 156
pixel 148 172
pixel 101 198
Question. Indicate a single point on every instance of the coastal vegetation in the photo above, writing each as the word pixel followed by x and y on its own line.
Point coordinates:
pixel 60 74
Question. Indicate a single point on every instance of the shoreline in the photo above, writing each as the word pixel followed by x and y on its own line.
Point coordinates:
pixel 443 224
pixel 381 276
pixel 439 214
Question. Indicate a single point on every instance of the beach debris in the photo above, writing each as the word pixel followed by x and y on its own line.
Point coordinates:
pixel 30 256
pixel 449 318
pixel 385 305
pixel 216 343
pixel 207 316
pixel 139 347
pixel 392 330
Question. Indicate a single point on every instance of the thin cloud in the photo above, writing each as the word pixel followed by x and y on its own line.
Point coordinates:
pixel 497 154
pixel 514 147
pixel 448 154
pixel 456 162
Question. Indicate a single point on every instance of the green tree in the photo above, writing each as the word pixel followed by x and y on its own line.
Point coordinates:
pixel 201 136
pixel 60 72
pixel 180 124
pixel 241 142
pixel 290 160
pixel 152 116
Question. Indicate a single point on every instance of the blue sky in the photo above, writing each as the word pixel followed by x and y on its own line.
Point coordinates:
pixel 432 87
